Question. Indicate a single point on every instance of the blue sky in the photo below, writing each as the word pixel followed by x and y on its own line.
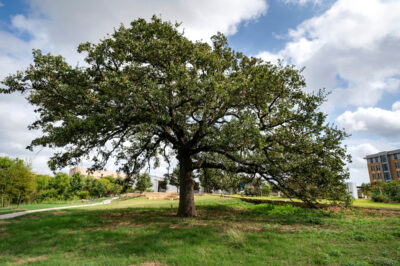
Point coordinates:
pixel 348 47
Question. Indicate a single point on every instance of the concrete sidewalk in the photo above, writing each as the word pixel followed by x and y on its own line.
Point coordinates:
pixel 16 214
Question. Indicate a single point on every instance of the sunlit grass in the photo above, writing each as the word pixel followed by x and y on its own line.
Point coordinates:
pixel 226 232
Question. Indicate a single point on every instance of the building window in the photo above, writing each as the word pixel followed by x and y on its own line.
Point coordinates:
pixel 396 164
pixel 387 177
pixel 378 168
pixel 374 175
pixel 383 159
pixel 385 167
pixel 379 176
pixel 395 156
pixel 376 159
pixel 398 174
pixel 372 168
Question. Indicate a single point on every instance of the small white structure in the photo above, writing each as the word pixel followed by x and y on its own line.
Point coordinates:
pixel 352 189
pixel 155 185
pixel 170 188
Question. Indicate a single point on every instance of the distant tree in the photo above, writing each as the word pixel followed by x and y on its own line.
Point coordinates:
pixel 266 189
pixel 216 179
pixel 60 183
pixel 97 189
pixel 147 91
pixel 143 182
pixel 116 189
pixel 76 183
pixel 16 180
pixel 22 181
pixel 173 177
pixel 107 184
pixel 5 164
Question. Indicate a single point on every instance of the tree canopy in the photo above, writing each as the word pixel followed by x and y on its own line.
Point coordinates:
pixel 16 181
pixel 147 91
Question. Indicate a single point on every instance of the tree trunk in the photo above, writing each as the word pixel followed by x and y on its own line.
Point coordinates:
pixel 186 187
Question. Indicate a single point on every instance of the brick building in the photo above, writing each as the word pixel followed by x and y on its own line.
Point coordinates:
pixel 384 166
pixel 95 174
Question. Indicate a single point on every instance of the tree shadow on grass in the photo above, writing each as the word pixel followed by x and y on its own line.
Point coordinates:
pixel 144 232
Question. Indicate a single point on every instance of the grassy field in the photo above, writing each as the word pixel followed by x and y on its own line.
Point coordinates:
pixel 227 232
pixel 368 203
pixel 36 206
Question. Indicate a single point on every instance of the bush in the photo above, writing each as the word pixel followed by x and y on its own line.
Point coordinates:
pixel 376 197
pixel 84 194
pixel 386 191
pixel 143 182
pixel 251 190
pixel 266 190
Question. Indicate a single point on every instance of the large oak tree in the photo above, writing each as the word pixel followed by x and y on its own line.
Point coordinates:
pixel 147 91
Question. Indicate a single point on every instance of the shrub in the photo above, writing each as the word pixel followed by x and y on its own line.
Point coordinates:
pixel 143 182
pixel 252 190
pixel 386 191
pixel 376 197
pixel 266 190
pixel 84 194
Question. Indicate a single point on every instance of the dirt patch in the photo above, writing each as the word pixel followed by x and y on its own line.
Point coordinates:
pixel 5 234
pixel 114 225
pixel 192 224
pixel 23 261
pixel 29 217
pixel 59 213
pixel 152 263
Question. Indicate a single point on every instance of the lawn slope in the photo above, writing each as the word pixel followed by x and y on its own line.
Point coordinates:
pixel 227 232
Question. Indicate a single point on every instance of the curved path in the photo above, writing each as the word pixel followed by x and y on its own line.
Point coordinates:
pixel 16 214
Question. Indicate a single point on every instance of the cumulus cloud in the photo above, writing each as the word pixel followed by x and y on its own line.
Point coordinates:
pixel 375 121
pixel 269 57
pixel 59 26
pixel 303 2
pixel 396 106
pixel 358 167
pixel 354 40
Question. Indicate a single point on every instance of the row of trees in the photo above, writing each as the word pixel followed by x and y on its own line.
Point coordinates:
pixel 64 187
pixel 18 184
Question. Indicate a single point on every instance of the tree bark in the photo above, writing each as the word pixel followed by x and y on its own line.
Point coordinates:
pixel 186 187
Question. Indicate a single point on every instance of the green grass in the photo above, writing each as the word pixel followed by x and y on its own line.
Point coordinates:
pixel 226 232
pixel 36 206
pixel 368 203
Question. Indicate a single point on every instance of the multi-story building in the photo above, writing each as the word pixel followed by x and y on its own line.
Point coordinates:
pixel 95 174
pixel 384 166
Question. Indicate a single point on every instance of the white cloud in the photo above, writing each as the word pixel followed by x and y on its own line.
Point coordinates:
pixel 396 106
pixel 357 41
pixel 303 2
pixel 375 121
pixel 59 26
pixel 269 57
pixel 358 167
